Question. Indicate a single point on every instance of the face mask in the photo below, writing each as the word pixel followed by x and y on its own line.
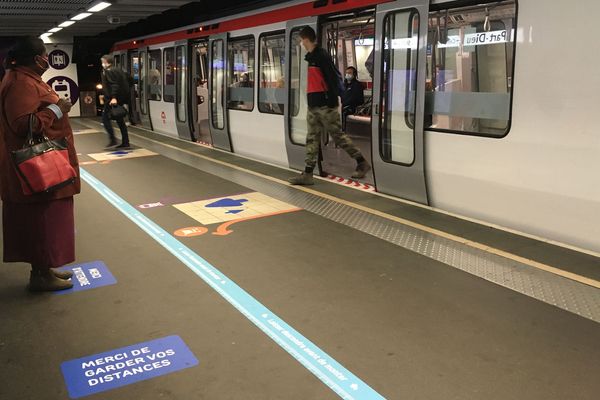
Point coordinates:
pixel 43 65
pixel 349 77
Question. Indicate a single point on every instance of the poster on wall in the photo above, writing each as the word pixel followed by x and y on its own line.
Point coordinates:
pixel 62 75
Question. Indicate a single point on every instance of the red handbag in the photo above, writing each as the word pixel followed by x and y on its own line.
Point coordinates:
pixel 43 164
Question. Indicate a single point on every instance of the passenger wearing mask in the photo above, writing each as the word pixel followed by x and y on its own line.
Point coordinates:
pixel 353 94
pixel 38 229
pixel 115 85
pixel 323 116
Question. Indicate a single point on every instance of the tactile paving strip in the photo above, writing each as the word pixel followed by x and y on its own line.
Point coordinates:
pixel 564 293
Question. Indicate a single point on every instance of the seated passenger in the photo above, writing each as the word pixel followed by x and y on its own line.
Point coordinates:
pixel 245 81
pixel 353 94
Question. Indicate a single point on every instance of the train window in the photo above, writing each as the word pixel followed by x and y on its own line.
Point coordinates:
pixel 240 76
pixel 400 44
pixel 169 75
pixel 470 69
pixel 218 84
pixel 181 77
pixel 154 75
pixel 271 93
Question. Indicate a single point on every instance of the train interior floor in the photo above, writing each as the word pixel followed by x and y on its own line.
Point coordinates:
pixel 204 275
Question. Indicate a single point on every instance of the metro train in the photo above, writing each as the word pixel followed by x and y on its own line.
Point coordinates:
pixel 479 108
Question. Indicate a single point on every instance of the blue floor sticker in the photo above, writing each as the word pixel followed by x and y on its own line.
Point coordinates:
pixel 343 382
pixel 120 367
pixel 88 276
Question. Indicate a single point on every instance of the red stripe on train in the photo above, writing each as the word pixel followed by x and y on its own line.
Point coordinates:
pixel 265 18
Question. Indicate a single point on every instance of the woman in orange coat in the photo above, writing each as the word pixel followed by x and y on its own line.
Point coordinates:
pixel 38 229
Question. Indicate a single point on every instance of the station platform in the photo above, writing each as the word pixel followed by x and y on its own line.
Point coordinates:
pixel 204 275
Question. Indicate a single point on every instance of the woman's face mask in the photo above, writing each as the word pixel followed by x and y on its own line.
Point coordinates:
pixel 349 77
pixel 42 62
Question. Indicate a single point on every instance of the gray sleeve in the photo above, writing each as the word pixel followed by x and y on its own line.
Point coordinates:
pixel 56 110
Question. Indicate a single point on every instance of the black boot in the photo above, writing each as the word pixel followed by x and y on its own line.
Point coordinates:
pixel 43 280
pixel 305 178
pixel 361 169
pixel 62 274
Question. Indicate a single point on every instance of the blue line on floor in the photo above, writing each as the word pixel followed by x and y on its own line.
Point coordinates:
pixel 324 367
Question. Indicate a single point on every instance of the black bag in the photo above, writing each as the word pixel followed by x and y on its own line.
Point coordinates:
pixel 117 111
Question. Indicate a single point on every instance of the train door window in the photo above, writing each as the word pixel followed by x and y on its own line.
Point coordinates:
pixel 143 83
pixel 271 93
pixel 240 77
pixel 154 74
pixel 399 80
pixel 169 75
pixel 298 70
pixel 470 69
pixel 218 84
pixel 181 71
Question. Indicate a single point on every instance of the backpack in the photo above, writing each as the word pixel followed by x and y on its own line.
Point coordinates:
pixel 341 88
pixel 124 80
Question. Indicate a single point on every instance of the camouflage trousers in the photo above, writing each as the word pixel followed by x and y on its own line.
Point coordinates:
pixel 326 120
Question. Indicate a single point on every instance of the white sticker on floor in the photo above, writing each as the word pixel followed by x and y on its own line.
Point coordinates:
pixel 121 154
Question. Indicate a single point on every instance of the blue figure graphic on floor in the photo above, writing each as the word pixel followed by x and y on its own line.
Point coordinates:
pixel 226 203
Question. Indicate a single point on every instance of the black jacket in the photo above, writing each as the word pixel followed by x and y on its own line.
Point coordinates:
pixel 115 84
pixel 353 95
pixel 322 86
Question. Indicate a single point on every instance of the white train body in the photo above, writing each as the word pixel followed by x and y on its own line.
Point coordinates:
pixel 541 178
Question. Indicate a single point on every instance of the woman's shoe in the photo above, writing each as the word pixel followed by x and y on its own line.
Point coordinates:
pixel 46 281
pixel 62 274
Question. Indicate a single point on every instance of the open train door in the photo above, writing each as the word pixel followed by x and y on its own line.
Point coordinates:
pixel 295 106
pixel 219 127
pixel 399 98
pixel 142 88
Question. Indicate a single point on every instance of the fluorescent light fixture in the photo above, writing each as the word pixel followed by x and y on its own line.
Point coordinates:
pixel 45 37
pixel 99 7
pixel 54 30
pixel 81 16
pixel 66 23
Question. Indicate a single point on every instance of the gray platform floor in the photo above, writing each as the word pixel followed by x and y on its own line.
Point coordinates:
pixel 409 326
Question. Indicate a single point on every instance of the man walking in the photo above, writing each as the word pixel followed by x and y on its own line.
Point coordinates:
pixel 323 114
pixel 116 92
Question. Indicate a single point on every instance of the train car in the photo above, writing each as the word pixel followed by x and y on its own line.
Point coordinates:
pixel 480 108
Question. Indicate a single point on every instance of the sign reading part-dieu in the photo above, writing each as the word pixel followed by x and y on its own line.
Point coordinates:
pixel 88 276
pixel 124 366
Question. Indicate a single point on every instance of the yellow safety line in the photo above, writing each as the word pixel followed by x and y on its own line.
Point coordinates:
pixel 424 228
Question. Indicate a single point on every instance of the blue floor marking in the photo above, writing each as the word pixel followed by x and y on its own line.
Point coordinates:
pixel 329 371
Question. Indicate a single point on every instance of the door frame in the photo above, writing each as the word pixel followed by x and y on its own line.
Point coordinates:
pixel 296 153
pixel 403 180
pixel 194 72
pixel 220 136
pixel 145 119
pixel 184 129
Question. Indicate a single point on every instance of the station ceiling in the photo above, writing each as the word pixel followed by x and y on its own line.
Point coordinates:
pixel 34 17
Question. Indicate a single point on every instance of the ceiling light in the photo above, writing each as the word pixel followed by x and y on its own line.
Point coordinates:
pixel 81 16
pixel 54 30
pixel 45 37
pixel 99 7
pixel 66 23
